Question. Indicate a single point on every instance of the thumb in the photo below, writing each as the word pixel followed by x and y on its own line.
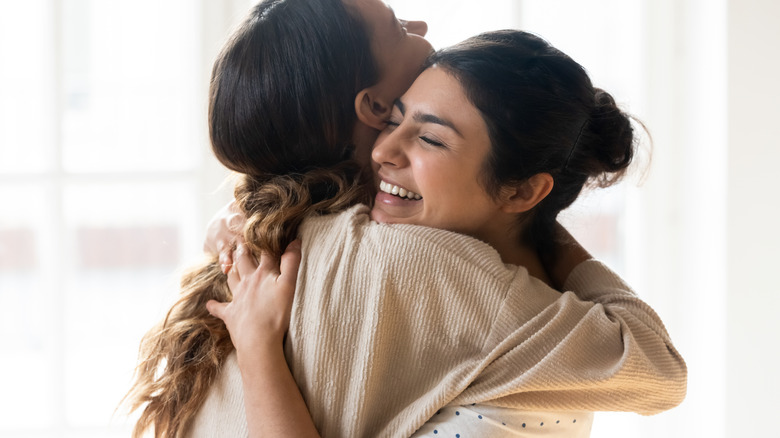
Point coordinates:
pixel 216 308
pixel 291 260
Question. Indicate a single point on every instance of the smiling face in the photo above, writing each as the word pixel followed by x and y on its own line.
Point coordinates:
pixel 435 146
pixel 399 46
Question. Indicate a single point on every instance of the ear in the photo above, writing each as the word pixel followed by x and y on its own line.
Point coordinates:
pixel 372 110
pixel 524 197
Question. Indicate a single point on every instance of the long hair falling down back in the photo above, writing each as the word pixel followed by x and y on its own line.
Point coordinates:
pixel 281 112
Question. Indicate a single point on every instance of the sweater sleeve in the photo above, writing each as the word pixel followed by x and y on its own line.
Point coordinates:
pixel 593 281
pixel 599 348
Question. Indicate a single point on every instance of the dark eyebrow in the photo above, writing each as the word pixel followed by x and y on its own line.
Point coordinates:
pixel 427 118
pixel 400 105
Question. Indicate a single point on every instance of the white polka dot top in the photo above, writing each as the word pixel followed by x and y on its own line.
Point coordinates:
pixel 483 421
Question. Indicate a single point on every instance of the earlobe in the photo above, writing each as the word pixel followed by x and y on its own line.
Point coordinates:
pixel 524 197
pixel 371 110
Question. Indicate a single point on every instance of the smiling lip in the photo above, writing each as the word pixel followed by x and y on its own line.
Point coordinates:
pixel 393 189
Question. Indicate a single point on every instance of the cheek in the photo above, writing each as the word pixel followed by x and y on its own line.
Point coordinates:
pixel 441 182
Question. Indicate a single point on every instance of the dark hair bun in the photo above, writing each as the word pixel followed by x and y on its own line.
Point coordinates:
pixel 609 143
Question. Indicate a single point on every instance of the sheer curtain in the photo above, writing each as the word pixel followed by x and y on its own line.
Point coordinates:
pixel 106 183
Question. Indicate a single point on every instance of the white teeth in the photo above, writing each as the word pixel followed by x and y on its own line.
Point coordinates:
pixel 398 191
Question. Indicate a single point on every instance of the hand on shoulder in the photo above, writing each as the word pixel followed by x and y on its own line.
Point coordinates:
pixel 259 315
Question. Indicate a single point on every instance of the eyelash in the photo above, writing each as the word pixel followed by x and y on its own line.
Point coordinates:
pixel 393 124
pixel 431 142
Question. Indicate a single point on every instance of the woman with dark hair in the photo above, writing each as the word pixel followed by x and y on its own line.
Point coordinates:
pixel 494 139
pixel 297 97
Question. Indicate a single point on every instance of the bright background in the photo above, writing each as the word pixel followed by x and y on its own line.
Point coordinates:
pixel 107 182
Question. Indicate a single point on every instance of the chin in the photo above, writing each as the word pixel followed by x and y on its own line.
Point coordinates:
pixel 376 216
pixel 381 217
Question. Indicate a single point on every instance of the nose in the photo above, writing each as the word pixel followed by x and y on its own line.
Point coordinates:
pixel 388 150
pixel 416 27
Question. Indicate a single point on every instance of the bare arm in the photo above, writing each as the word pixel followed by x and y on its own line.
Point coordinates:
pixel 568 255
pixel 257 319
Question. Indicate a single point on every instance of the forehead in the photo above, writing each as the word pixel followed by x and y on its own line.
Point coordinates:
pixel 437 92
pixel 437 86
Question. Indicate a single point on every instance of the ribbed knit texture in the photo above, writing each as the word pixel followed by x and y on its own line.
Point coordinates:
pixel 392 322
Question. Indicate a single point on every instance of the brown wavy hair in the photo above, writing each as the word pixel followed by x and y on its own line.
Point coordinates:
pixel 281 112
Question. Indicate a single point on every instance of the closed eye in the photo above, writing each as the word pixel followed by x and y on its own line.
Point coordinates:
pixel 431 142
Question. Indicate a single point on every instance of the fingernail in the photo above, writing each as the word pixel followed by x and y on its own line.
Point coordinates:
pixel 295 244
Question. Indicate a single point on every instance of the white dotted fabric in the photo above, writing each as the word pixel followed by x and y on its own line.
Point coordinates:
pixel 490 421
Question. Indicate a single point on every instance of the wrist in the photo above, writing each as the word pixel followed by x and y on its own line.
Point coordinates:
pixel 259 351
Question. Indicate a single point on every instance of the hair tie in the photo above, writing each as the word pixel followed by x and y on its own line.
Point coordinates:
pixel 574 146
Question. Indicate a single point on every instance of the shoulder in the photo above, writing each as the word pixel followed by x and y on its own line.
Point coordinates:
pixel 417 244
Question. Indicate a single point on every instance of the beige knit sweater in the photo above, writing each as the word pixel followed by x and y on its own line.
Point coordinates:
pixel 392 322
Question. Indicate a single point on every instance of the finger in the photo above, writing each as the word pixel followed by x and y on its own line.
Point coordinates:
pixel 225 267
pixel 243 262
pixel 215 235
pixel 291 261
pixel 268 264
pixel 216 308
pixel 226 256
pixel 233 222
pixel 232 280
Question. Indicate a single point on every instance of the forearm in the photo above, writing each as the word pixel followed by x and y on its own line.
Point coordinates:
pixel 257 318
pixel 274 404
pixel 567 255
pixel 646 343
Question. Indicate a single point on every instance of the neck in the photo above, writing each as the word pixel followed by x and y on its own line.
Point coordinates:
pixel 512 251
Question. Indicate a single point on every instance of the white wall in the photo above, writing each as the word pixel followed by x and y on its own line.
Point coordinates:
pixel 753 340
pixel 683 202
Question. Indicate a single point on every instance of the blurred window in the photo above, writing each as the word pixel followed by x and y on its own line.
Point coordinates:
pixel 101 161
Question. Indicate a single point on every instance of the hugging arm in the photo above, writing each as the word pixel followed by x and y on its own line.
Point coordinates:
pixel 257 319
pixel 568 255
